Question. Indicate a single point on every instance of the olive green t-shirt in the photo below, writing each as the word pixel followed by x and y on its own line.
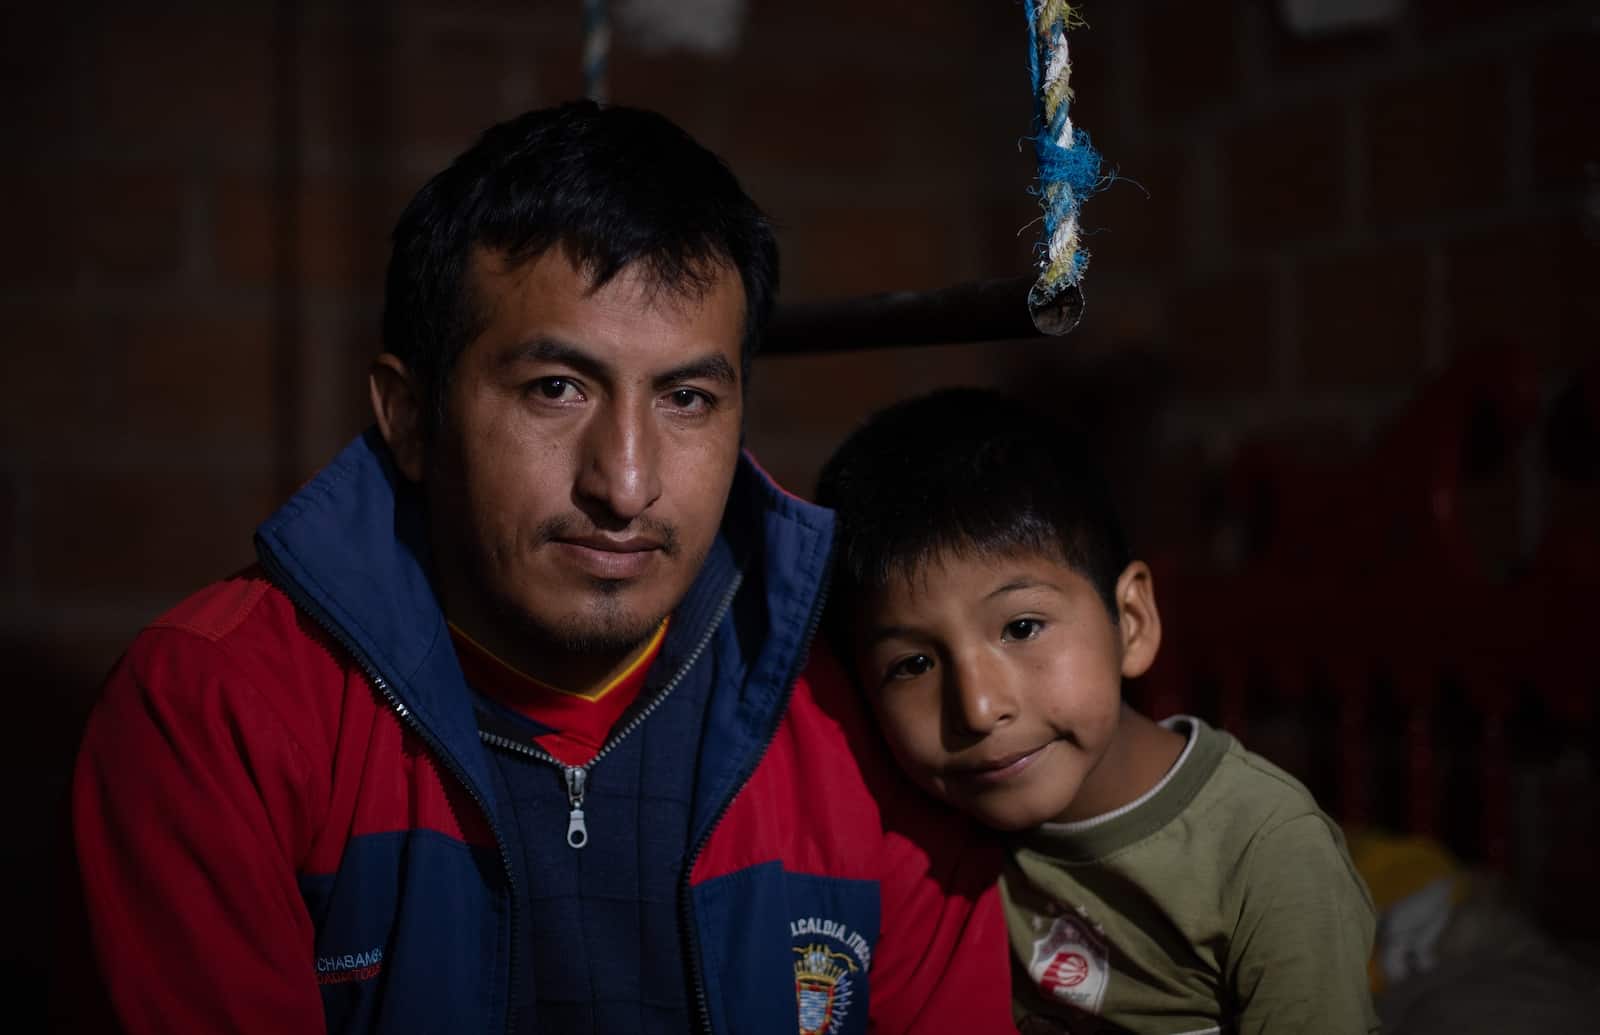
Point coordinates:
pixel 1222 900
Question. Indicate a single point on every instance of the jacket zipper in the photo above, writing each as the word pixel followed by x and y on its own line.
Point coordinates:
pixel 685 909
pixel 577 776
pixel 410 721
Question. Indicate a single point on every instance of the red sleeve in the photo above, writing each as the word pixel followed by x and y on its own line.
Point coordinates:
pixel 943 960
pixel 189 809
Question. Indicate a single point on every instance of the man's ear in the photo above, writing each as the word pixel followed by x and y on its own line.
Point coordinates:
pixel 1138 621
pixel 397 403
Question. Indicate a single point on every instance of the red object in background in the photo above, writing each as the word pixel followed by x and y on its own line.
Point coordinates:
pixel 1367 607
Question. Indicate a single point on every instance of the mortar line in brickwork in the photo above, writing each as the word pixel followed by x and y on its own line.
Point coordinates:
pixel 1286 328
pixel 1533 484
pixel 1358 202
pixel 822 39
pixel 1246 415
pixel 1507 39
pixel 1115 34
pixel 287 317
pixel 1552 207
pixel 1207 245
pixel 115 622
pixel 1436 311
pixel 130 297
pixel 1519 129
pixel 176 453
pixel 777 179
pixel 197 262
pixel 1250 28
pixel 20 472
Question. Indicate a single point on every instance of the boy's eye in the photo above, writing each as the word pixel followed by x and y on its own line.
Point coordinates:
pixel 1022 629
pixel 910 668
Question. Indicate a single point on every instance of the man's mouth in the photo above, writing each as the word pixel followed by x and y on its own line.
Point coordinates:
pixel 613 544
pixel 610 557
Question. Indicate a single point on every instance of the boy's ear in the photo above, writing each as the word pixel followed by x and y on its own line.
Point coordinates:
pixel 397 403
pixel 1138 621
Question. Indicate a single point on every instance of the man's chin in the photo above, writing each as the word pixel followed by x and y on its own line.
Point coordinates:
pixel 578 615
pixel 606 625
pixel 601 640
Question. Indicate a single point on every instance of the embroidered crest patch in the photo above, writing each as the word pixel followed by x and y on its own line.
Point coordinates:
pixel 822 988
pixel 826 968
pixel 1069 961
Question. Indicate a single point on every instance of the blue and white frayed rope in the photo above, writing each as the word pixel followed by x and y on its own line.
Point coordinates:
pixel 1069 167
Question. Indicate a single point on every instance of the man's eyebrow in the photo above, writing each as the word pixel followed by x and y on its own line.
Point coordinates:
pixel 552 350
pixel 714 367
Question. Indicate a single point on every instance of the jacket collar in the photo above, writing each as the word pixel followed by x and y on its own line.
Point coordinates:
pixel 351 550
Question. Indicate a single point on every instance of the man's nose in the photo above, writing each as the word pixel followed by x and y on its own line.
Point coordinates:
pixel 981 694
pixel 620 468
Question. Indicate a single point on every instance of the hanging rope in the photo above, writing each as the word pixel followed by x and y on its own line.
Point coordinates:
pixel 596 49
pixel 1069 167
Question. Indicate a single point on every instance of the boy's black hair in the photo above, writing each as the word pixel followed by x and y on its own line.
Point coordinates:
pixel 613 186
pixel 967 471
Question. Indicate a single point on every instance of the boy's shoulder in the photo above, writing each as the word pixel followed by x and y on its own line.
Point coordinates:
pixel 1245 789
pixel 1266 826
pixel 1218 803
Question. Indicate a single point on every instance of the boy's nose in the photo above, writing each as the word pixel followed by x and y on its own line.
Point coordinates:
pixel 982 696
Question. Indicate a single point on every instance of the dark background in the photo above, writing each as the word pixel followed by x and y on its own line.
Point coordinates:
pixel 1307 235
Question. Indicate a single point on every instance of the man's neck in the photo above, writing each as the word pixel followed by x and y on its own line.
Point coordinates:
pixel 580 673
pixel 618 674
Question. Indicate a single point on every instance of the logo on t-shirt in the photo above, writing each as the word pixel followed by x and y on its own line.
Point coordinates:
pixel 1069 961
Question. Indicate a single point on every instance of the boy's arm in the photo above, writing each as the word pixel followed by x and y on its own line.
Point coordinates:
pixel 1298 958
pixel 187 809
pixel 943 962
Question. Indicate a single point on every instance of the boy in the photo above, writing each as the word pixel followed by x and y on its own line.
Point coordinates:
pixel 1160 878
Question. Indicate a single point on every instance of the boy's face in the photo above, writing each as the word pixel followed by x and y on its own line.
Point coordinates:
pixel 998 681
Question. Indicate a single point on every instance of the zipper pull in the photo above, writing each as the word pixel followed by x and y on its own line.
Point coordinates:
pixel 577 833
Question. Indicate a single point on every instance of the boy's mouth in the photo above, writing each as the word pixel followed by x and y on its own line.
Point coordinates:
pixel 999 768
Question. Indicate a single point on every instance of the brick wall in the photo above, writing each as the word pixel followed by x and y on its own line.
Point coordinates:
pixel 199 194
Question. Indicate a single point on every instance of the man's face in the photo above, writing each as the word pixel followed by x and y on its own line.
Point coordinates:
pixel 589 442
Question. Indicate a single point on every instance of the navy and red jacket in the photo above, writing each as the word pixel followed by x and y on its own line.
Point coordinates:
pixel 284 814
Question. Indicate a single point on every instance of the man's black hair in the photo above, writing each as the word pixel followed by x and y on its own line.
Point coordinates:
pixel 966 471
pixel 612 186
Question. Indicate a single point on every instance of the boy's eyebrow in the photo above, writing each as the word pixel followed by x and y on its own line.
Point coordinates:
pixel 1021 582
pixel 877 634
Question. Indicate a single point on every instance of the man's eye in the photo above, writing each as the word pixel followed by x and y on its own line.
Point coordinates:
pixel 555 389
pixel 910 668
pixel 689 400
pixel 1022 629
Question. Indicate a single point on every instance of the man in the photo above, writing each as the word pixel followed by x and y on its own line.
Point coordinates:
pixel 513 726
